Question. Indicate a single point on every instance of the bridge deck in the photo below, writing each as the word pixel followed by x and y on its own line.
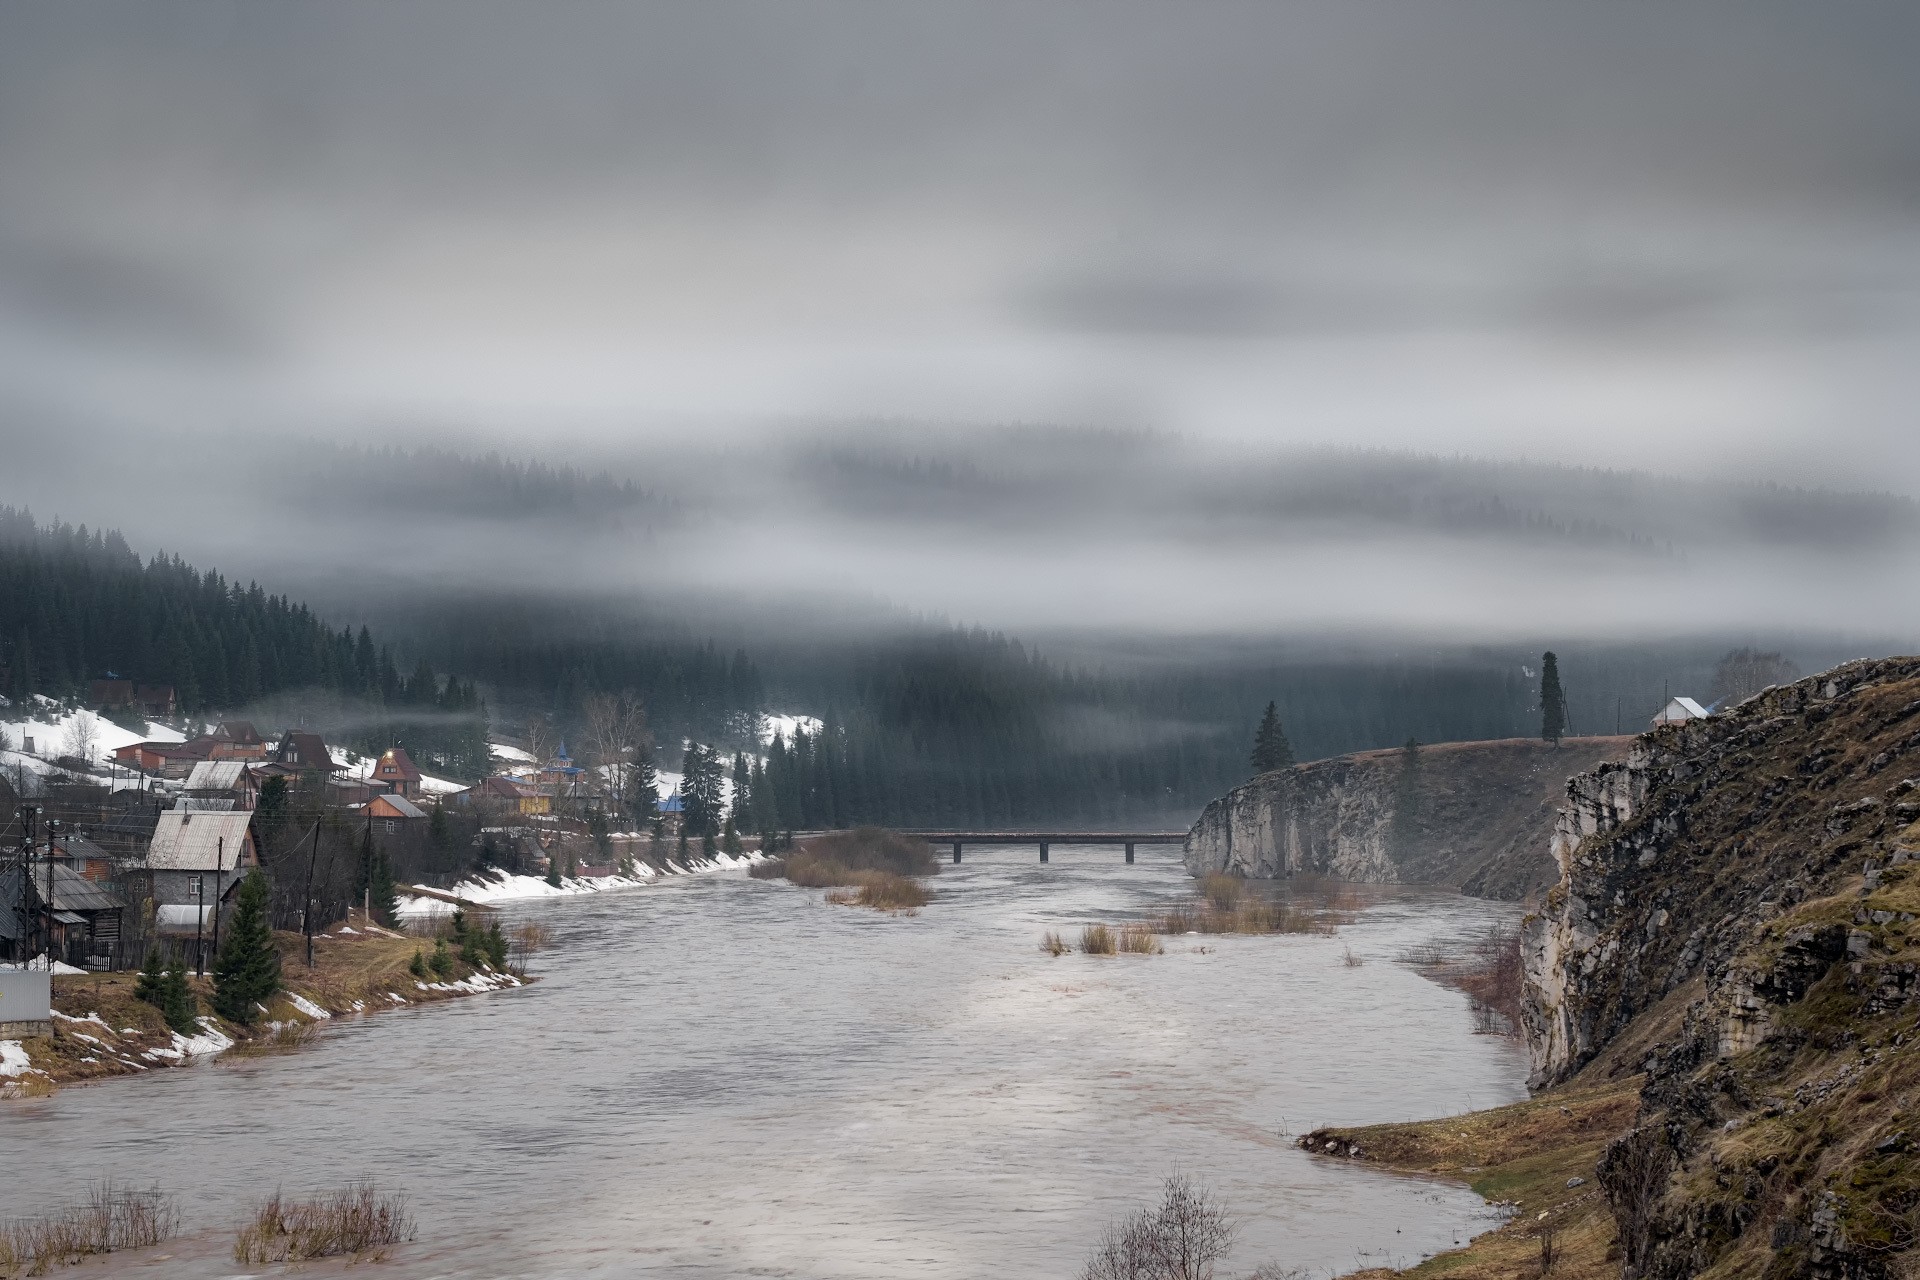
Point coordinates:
pixel 1051 837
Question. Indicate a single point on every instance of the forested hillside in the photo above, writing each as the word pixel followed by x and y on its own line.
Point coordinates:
pixel 78 605
pixel 926 724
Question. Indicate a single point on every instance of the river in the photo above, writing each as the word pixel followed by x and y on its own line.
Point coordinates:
pixel 720 1077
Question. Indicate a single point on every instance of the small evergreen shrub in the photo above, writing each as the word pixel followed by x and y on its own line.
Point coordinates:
pixel 442 962
pixel 418 965
pixel 151 986
pixel 246 973
pixel 177 1004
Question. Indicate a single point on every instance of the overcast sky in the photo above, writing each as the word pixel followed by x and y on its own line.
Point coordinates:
pixel 1670 236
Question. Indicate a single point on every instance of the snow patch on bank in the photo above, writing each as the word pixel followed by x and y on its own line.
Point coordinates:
pixel 39 963
pixel 500 886
pixel 210 1040
pixel 14 1060
pixel 307 1006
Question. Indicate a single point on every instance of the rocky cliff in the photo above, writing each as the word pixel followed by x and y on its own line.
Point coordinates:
pixel 1734 917
pixel 1476 816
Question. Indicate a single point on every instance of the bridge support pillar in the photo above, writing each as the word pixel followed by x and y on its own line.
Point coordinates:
pixel 1043 851
pixel 956 853
pixel 1129 852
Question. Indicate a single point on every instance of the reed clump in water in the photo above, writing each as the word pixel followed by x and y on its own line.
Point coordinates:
pixel 1228 904
pixel 1054 945
pixel 357 1221
pixel 1140 939
pixel 874 866
pixel 112 1217
pixel 883 891
pixel 1097 940
pixel 285 1038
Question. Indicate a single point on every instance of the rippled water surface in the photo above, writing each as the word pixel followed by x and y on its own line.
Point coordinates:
pixel 720 1077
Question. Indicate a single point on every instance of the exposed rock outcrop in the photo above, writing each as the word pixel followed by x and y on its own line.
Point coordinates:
pixel 1475 816
pixel 1737 916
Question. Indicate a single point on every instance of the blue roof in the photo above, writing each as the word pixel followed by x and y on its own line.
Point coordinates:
pixel 673 804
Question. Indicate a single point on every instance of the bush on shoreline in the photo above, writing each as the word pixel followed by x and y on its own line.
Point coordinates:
pixel 355 1221
pixel 113 1217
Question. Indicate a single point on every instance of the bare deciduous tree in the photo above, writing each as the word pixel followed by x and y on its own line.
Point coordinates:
pixel 83 736
pixel 1633 1172
pixel 616 729
pixel 1745 672
pixel 1182 1239
pixel 539 739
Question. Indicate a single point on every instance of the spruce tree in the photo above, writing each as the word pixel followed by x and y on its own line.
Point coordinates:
pixel 1271 750
pixel 177 1004
pixel 247 971
pixel 1553 702
pixel 386 899
pixel 553 870
pixel 151 986
pixel 439 830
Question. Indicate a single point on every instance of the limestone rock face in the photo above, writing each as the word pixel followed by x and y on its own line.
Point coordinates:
pixel 1470 815
pixel 1673 861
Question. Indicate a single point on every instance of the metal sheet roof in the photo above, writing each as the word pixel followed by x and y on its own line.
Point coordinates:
pixel 188 841
pixel 217 775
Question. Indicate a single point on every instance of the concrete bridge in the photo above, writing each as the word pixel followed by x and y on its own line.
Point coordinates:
pixel 958 839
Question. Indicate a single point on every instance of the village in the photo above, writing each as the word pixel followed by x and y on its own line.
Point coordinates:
pixel 112 849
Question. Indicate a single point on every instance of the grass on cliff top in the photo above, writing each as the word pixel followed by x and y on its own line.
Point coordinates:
pixel 1525 1154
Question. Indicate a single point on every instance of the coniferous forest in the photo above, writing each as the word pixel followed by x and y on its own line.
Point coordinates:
pixel 934 725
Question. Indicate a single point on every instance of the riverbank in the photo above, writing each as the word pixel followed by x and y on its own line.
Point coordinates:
pixel 1534 1158
pixel 100 1031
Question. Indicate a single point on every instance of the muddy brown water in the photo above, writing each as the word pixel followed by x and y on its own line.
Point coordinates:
pixel 720 1077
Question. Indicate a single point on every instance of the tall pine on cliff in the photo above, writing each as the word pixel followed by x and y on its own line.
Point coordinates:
pixel 1553 702
pixel 1271 750
pixel 246 973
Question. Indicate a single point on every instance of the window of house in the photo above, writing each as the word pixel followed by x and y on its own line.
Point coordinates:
pixel 392 826
pixel 193 887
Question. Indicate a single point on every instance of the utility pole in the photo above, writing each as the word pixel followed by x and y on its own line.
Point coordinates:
pixel 219 886
pixel 199 918
pixel 53 829
pixel 306 913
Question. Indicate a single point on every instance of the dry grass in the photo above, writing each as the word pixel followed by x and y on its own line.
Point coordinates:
pixel 1053 944
pixel 1351 960
pixel 285 1038
pixel 112 1218
pixel 1489 970
pixel 1097 940
pixel 1524 1154
pixel 356 1221
pixel 839 857
pixel 1229 904
pixel 883 891
pixel 1140 940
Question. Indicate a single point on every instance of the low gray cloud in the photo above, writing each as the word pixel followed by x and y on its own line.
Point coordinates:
pixel 1269 261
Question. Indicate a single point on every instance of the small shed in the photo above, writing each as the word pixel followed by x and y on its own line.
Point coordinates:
pixel 1678 711
pixel 395 812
